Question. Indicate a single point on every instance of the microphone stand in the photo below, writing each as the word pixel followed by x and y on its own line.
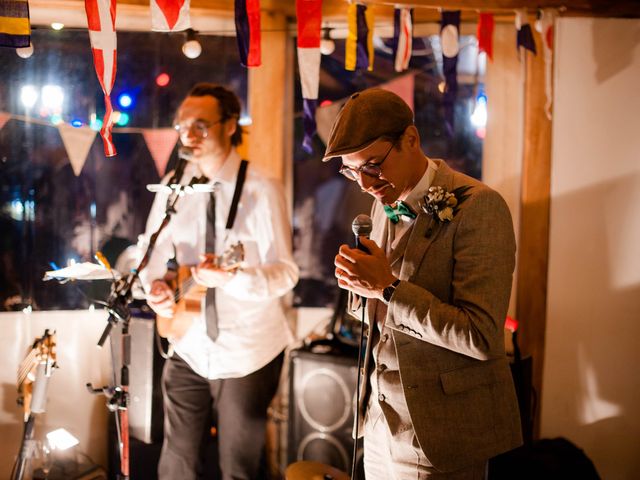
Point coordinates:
pixel 118 308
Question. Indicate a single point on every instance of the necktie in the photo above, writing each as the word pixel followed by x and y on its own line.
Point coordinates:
pixel 401 208
pixel 211 313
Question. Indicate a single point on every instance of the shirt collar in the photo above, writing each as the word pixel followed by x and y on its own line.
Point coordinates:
pixel 229 169
pixel 414 197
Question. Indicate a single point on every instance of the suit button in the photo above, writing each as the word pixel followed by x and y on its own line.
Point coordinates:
pixel 381 397
pixel 384 338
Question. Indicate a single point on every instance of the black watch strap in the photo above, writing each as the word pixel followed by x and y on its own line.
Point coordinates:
pixel 387 293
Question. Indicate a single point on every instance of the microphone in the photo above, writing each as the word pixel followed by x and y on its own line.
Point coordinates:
pixel 361 225
pixel 185 155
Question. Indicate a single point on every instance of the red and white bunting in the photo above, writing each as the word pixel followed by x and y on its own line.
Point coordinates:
pixel 4 118
pixel 101 19
pixel 77 142
pixel 405 38
pixel 170 15
pixel 403 87
pixel 160 143
pixel 544 25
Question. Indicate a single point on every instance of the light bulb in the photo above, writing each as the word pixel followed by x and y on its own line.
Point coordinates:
pixel 192 49
pixel 25 52
pixel 327 46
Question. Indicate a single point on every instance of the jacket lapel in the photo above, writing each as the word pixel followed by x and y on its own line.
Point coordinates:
pixel 425 228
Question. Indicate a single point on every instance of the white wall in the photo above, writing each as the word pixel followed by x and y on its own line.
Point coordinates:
pixel 69 404
pixel 591 385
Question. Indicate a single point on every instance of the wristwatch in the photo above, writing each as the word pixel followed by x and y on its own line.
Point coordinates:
pixel 387 293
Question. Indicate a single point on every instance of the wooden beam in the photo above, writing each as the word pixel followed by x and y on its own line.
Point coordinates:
pixel 533 245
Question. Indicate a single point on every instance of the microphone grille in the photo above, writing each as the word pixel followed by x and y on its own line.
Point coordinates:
pixel 362 225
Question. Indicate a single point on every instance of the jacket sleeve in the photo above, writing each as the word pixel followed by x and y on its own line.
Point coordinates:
pixel 471 320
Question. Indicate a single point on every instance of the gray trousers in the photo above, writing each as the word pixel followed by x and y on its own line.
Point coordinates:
pixel 240 406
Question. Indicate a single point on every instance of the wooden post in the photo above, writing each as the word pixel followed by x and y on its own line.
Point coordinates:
pixel 269 104
pixel 533 245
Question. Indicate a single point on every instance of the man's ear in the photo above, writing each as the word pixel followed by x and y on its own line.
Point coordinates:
pixel 411 137
pixel 231 125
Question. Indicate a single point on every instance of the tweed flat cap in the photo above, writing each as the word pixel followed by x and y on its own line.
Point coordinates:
pixel 365 117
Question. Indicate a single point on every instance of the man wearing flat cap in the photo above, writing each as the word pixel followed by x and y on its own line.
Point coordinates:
pixel 438 399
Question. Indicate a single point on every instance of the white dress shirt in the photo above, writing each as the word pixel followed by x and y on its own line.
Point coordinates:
pixel 413 200
pixel 252 325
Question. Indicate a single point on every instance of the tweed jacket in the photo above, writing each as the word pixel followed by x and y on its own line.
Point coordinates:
pixel 447 318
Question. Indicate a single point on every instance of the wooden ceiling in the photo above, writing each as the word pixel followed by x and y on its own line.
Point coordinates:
pixel 429 8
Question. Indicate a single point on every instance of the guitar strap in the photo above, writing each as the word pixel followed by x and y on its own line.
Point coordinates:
pixel 233 209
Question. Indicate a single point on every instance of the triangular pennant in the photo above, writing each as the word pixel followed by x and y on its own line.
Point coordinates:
pixel 449 38
pixel 77 142
pixel 359 46
pixel 403 87
pixel 101 20
pixel 247 19
pixel 309 14
pixel 15 27
pixel 160 143
pixel 524 36
pixel 402 37
pixel 544 25
pixel 4 118
pixel 485 34
pixel 170 15
pixel 326 115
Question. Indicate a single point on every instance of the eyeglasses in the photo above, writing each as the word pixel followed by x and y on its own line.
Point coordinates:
pixel 200 127
pixel 371 169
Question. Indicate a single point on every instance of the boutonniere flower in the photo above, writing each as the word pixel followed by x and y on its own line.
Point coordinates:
pixel 441 204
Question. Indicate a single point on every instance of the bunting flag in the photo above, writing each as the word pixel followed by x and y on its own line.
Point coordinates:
pixel 326 115
pixel 101 20
pixel 449 36
pixel 485 34
pixel 160 143
pixel 15 28
pixel 309 13
pixel 402 37
pixel 403 87
pixel 77 142
pixel 4 118
pixel 247 18
pixel 359 48
pixel 544 25
pixel 525 35
pixel 170 15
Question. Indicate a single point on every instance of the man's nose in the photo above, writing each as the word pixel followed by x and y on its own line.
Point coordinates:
pixel 365 180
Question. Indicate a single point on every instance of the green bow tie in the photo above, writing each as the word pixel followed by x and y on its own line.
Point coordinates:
pixel 401 208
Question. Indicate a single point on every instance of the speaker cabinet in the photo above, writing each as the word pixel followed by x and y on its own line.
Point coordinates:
pixel 321 405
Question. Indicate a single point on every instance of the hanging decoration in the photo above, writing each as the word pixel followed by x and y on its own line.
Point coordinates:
pixel 15 28
pixel 485 34
pixel 359 47
pixel 544 25
pixel 77 142
pixel 525 35
pixel 309 13
pixel 449 39
pixel 403 86
pixel 170 15
pixel 101 20
pixel 4 118
pixel 160 143
pixel 247 18
pixel 402 37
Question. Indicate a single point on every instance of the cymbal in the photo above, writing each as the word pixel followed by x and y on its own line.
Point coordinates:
pixel 308 470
